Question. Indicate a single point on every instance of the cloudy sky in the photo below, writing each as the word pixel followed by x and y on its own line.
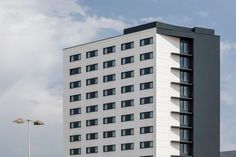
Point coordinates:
pixel 33 33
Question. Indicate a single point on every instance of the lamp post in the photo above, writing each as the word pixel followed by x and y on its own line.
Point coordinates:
pixel 21 121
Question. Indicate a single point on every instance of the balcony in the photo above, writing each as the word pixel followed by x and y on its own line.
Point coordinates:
pixel 181 98
pixel 182 83
pixel 182 54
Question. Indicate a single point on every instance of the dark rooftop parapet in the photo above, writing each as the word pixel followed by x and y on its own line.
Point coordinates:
pixel 160 25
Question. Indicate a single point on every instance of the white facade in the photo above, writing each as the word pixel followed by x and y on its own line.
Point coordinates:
pixel 162 91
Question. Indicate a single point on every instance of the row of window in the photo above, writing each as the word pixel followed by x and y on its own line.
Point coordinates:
pixel 112 91
pixel 112 119
pixel 112 105
pixel 111 77
pixel 112 133
pixel 111 148
pixel 110 63
pixel 185 106
pixel 111 49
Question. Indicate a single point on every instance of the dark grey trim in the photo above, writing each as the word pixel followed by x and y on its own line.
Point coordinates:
pixel 160 25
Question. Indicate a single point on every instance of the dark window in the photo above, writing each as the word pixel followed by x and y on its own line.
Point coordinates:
pixel 185 106
pixel 91 67
pixel 92 95
pixel 146 71
pixel 92 122
pixel 75 71
pixel 127 117
pixel 75 84
pixel 127 74
pixel 92 136
pixel 76 124
pixel 109 64
pixel 146 100
pixel 185 91
pixel 127 132
pixel 146 56
pixel 146 41
pixel 109 148
pixel 90 150
pixel 185 135
pixel 146 130
pixel 127 60
pixel 108 78
pixel 128 45
pixel 91 81
pixel 108 92
pixel 185 120
pixel 127 146
pixel 93 53
pixel 109 106
pixel 185 76
pixel 184 47
pixel 126 89
pixel 185 149
pixel 127 103
pixel 75 111
pixel 109 120
pixel 146 144
pixel 146 85
pixel 185 62
pixel 75 57
pixel 75 151
pixel 146 115
pixel 76 97
pixel 110 49
pixel 74 138
pixel 109 134
pixel 93 108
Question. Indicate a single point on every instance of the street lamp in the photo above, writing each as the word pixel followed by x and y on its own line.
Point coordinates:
pixel 21 121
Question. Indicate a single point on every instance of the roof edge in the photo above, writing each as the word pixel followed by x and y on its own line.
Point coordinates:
pixel 160 25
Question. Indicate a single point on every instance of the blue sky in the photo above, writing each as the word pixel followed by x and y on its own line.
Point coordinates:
pixel 33 33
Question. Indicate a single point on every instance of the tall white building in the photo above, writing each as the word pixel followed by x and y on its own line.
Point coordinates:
pixel 134 95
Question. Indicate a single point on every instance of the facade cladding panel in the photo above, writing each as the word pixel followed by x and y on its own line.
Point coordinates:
pixel 176 131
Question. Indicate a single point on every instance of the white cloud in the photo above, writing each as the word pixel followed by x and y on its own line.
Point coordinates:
pixel 172 19
pixel 33 33
pixel 228 89
pixel 228 47
pixel 228 134
pixel 150 19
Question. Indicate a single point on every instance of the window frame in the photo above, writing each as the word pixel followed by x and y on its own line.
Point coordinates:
pixel 75 57
pixel 112 48
pixel 146 41
pixel 127 89
pixel 127 45
pixel 75 71
pixel 93 121
pixel 88 54
pixel 127 60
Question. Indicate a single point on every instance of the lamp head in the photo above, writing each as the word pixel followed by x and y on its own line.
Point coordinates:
pixel 38 122
pixel 19 121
